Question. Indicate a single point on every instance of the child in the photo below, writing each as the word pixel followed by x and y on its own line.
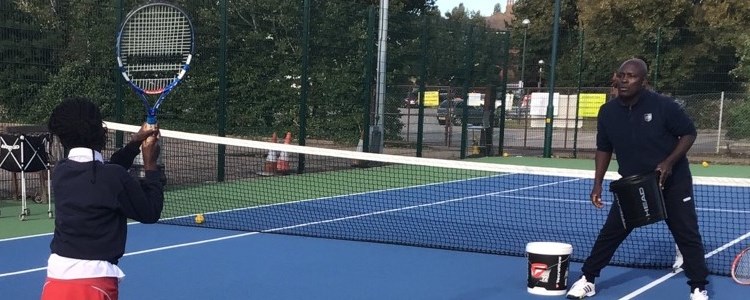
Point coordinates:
pixel 94 200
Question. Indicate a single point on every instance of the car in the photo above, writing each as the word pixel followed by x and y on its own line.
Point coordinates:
pixel 411 102
pixel 451 111
pixel 412 99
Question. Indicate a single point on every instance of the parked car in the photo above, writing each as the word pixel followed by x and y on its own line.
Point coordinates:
pixel 411 102
pixel 412 99
pixel 452 111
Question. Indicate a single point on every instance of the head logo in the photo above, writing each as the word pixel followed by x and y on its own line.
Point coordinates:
pixel 647 117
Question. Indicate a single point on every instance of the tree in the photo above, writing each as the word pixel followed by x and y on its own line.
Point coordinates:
pixel 539 37
pixel 690 49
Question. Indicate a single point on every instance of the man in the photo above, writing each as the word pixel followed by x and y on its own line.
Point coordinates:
pixel 647 132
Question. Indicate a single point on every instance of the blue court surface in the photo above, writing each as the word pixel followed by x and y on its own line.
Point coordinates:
pixel 176 262
pixel 492 218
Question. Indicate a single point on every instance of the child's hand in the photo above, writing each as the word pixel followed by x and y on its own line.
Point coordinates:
pixel 143 133
pixel 149 145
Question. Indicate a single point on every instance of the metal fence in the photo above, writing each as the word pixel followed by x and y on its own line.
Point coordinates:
pixel 310 67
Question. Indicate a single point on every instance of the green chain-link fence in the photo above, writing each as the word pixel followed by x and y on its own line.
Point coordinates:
pixel 310 67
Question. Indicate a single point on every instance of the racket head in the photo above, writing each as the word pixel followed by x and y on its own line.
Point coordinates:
pixel 155 45
pixel 741 267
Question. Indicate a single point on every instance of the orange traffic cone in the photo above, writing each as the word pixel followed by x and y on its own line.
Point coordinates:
pixel 282 164
pixel 269 167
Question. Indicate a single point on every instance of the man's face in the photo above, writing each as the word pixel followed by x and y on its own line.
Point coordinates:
pixel 630 79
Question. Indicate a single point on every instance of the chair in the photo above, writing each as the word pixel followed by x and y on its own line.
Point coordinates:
pixel 24 153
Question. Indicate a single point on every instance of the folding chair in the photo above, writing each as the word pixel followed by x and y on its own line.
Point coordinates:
pixel 25 153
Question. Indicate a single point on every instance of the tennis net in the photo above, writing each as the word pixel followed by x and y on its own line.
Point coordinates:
pixel 448 204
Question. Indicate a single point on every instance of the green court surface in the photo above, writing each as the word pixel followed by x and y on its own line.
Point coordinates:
pixel 735 171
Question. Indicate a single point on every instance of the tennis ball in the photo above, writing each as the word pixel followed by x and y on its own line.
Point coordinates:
pixel 505 154
pixel 199 219
pixel 704 164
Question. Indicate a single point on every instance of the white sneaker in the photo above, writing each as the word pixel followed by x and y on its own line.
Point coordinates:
pixel 677 261
pixel 583 288
pixel 699 295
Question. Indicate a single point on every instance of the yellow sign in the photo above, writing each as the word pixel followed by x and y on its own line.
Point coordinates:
pixel 590 103
pixel 431 98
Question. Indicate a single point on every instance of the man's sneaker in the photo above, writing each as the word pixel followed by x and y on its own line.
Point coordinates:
pixel 697 294
pixel 678 260
pixel 582 289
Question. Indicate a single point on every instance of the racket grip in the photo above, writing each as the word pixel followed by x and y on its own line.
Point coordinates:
pixel 151 118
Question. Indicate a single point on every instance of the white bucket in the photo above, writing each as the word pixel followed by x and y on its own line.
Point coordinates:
pixel 548 268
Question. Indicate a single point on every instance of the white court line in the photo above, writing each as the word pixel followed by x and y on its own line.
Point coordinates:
pixel 308 224
pixel 292 202
pixel 672 274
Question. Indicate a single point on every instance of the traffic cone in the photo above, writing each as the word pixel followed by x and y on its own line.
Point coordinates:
pixel 269 167
pixel 282 164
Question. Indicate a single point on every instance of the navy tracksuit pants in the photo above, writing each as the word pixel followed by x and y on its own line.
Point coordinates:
pixel 682 222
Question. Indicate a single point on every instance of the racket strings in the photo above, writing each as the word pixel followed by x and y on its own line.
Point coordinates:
pixel 156 44
pixel 741 270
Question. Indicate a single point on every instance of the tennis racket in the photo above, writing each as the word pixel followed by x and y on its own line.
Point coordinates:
pixel 741 267
pixel 154 48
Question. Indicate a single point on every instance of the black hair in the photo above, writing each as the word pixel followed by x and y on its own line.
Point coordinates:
pixel 77 122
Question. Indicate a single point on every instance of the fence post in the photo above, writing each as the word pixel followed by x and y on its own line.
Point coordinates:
pixel 367 81
pixel 578 92
pixel 721 113
pixel 656 67
pixel 221 102
pixel 305 82
pixel 422 78
pixel 119 93
pixel 467 84
pixel 553 65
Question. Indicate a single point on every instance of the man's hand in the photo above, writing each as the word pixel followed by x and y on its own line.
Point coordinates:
pixel 596 196
pixel 664 169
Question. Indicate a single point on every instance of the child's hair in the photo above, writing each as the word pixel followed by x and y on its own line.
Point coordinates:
pixel 77 122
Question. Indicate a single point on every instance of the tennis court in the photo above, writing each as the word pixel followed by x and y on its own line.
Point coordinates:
pixel 393 230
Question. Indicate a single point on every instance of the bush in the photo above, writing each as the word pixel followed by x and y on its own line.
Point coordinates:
pixel 738 123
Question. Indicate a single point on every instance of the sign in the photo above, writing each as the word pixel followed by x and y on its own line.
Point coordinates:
pixel 539 101
pixel 476 99
pixel 431 98
pixel 508 102
pixel 590 103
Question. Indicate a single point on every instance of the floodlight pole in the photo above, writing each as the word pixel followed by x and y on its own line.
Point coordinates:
pixel 378 129
pixel 525 23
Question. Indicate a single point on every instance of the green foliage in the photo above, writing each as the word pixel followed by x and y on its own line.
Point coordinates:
pixel 742 70
pixel 690 46
pixel 738 124
pixel 55 49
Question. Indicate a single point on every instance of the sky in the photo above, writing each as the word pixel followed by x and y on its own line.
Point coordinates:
pixel 484 6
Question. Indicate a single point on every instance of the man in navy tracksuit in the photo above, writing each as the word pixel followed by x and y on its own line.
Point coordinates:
pixel 647 132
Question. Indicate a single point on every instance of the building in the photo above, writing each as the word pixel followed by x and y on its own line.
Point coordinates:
pixel 501 21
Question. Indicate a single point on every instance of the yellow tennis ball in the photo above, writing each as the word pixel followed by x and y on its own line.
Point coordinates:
pixel 705 164
pixel 199 219
pixel 505 154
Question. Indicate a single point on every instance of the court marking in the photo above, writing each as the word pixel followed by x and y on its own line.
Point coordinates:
pixel 306 224
pixel 493 194
pixel 672 274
